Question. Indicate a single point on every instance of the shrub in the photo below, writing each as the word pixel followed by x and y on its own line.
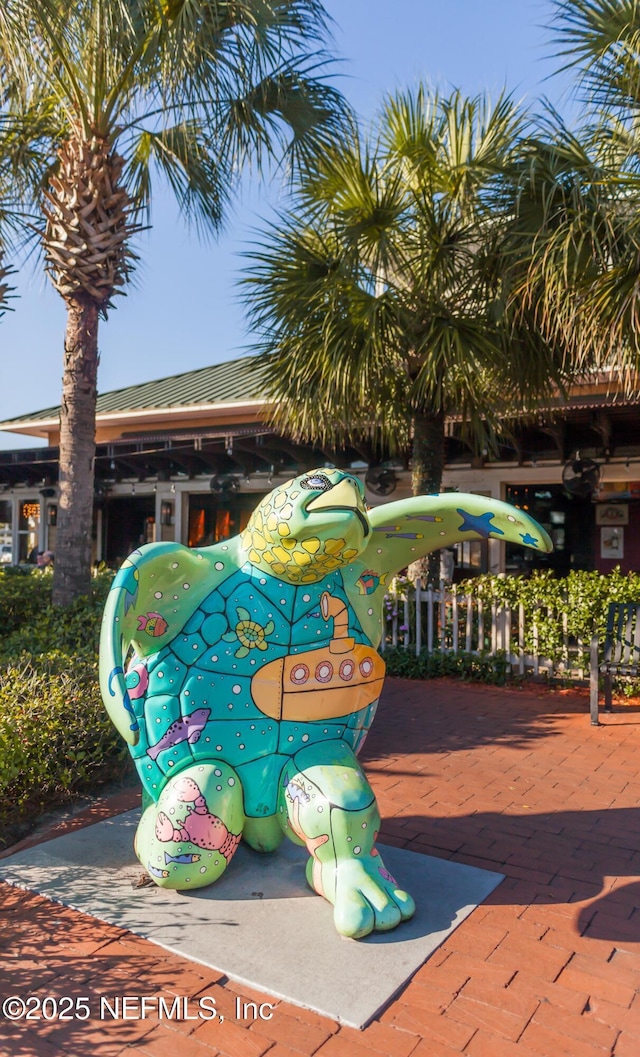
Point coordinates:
pixel 22 597
pixel 56 739
pixel 30 624
pixel 582 596
pixel 471 667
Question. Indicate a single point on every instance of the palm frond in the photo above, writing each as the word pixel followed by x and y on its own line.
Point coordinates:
pixel 6 289
pixel 186 158
pixel 600 40
pixel 576 241
pixel 253 73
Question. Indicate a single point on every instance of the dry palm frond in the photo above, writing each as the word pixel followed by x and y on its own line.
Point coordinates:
pixel 6 290
pixel 87 221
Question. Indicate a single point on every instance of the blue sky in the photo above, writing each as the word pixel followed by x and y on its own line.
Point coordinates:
pixel 184 311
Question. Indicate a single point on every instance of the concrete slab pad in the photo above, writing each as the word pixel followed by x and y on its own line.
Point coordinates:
pixel 260 924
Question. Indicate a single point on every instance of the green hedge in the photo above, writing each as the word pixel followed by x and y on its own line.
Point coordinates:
pixel 575 606
pixel 583 596
pixel 30 624
pixel 56 739
pixel 22 597
pixel 476 668
pixel 55 736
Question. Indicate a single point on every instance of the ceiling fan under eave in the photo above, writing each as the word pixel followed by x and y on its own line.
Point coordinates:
pixel 224 484
pixel 581 477
pixel 380 480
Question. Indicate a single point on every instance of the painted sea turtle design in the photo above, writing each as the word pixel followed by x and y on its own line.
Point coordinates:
pixel 247 705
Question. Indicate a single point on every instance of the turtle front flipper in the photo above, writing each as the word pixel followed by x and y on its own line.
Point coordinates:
pixel 154 593
pixel 409 529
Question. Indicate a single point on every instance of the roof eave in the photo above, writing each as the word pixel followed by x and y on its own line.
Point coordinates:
pixel 42 427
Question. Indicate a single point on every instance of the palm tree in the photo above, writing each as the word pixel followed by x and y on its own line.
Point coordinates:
pixel 379 301
pixel 577 236
pixel 102 97
pixel 580 196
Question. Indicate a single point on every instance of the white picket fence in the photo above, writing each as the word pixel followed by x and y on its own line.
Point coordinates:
pixel 448 620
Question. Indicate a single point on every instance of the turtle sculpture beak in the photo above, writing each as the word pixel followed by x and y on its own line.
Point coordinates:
pixel 343 496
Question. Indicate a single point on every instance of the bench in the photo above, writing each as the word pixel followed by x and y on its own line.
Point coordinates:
pixel 621 654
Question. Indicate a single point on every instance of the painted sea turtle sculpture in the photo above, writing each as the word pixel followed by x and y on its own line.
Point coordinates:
pixel 245 677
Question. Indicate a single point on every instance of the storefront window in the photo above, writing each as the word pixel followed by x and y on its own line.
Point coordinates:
pixel 213 518
pixel 6 551
pixel 568 520
pixel 471 559
pixel 127 523
pixel 28 530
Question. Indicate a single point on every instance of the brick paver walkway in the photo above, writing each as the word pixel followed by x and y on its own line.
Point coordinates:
pixel 549 965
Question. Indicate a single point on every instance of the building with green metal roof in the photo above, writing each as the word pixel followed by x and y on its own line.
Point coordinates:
pixel 220 393
pixel 187 457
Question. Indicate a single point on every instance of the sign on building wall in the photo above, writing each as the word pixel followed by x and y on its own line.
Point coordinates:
pixel 611 542
pixel 612 514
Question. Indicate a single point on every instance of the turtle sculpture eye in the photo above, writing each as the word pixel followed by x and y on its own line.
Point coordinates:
pixel 317 483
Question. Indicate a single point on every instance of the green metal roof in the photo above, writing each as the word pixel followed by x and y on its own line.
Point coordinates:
pixel 231 382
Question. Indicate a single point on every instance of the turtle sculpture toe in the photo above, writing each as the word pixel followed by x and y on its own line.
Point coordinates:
pixel 245 677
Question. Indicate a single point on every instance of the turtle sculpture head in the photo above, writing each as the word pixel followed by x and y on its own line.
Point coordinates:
pixel 308 527
pixel 245 677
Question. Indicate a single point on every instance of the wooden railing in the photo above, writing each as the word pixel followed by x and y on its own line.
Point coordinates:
pixel 446 619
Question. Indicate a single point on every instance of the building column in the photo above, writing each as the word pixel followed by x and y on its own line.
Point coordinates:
pixel 99 515
pixel 158 514
pixel 42 525
pixel 15 526
pixel 496 556
pixel 180 516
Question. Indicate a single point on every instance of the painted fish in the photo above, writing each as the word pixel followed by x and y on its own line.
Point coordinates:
pixel 387 876
pixel 189 728
pixel 156 872
pixel 153 623
pixel 369 581
pixel 188 857
pixel 296 791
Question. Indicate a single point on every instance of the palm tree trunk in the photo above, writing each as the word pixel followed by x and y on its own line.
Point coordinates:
pixel 72 569
pixel 427 469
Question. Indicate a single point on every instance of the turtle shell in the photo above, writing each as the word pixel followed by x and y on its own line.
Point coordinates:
pixel 231 685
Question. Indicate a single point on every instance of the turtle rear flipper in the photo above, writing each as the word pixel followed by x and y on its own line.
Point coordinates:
pixel 181 848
